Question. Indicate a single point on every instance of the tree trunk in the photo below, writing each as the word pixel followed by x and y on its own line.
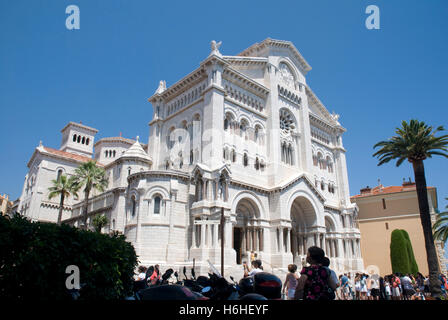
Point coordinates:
pixel 86 205
pixel 61 207
pixel 422 195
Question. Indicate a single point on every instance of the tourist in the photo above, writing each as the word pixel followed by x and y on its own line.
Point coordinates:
pixel 291 282
pixel 387 288
pixel 357 286
pixel 155 277
pixel 256 267
pixel 315 282
pixel 334 277
pixel 443 284
pixel 345 287
pixel 374 286
pixel 427 291
pixel 418 295
pixel 396 294
pixel 420 281
pixel 363 281
pixel 141 273
pixel 350 287
pixel 408 289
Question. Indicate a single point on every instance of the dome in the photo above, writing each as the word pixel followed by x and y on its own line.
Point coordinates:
pixel 136 151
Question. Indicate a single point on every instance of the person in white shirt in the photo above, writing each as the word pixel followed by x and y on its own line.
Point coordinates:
pixel 408 288
pixel 141 273
pixel 256 267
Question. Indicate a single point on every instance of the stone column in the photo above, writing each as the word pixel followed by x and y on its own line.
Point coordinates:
pixel 215 234
pixel 202 234
pixel 288 240
pixel 209 236
pixel 261 239
pixel 243 239
pixel 281 239
pixel 204 189
pixel 193 236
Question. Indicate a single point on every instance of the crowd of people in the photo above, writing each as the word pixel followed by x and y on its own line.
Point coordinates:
pixel 317 281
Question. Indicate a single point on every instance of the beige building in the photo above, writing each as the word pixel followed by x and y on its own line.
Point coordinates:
pixel 384 209
pixel 5 204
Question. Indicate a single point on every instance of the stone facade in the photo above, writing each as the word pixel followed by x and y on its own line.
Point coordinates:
pixel 241 134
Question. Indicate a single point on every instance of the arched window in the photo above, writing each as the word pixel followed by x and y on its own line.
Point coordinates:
pixel 245 160
pixel 320 160
pixel 59 174
pixel 133 206
pixel 114 153
pixel 257 164
pixel 226 124
pixel 78 139
pixel 191 156
pixel 74 138
pixel 129 171
pixel 315 160
pixel 233 155
pixel 87 141
pixel 83 141
pixel 157 200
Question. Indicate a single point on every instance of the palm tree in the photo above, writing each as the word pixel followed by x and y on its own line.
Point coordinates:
pixel 64 188
pixel 99 222
pixel 91 177
pixel 441 226
pixel 415 141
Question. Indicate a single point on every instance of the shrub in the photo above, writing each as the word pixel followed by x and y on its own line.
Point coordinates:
pixel 401 253
pixel 413 267
pixel 34 257
pixel 399 256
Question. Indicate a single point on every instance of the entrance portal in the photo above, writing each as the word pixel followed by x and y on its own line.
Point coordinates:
pixel 247 234
pixel 237 244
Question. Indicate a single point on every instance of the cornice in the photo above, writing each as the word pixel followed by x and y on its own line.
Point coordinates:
pixel 245 82
pixel 253 49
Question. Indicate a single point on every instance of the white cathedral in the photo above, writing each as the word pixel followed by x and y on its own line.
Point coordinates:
pixel 241 133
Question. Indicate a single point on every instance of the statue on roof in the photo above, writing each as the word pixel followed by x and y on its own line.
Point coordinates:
pixel 215 48
pixel 162 87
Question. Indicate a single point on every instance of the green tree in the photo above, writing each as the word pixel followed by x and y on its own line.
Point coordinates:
pixel 413 267
pixel 441 226
pixel 63 187
pixel 91 177
pixel 99 222
pixel 416 141
pixel 399 256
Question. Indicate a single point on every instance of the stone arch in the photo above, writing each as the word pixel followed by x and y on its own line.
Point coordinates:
pixel 157 189
pixel 252 197
pixel 291 67
pixel 247 232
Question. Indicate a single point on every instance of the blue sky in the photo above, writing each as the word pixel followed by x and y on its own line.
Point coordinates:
pixel 103 73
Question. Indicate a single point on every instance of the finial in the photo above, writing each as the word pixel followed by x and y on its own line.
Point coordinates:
pixel 120 134
pixel 40 143
pixel 137 138
pixel 215 48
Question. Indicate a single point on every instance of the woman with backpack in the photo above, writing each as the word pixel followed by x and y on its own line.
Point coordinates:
pixel 315 282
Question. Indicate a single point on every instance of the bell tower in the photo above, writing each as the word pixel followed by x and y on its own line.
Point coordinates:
pixel 78 139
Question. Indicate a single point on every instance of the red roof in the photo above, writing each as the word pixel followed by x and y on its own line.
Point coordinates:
pixel 384 190
pixel 69 155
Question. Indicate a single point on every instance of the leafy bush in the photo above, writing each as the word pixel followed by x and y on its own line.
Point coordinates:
pixel 401 253
pixel 34 257
pixel 399 257
pixel 412 263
